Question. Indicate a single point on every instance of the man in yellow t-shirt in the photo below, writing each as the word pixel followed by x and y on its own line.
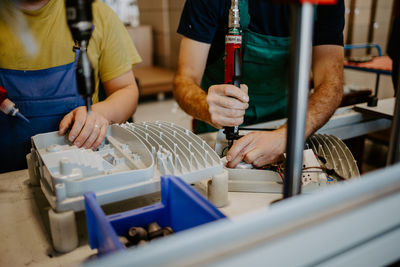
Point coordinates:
pixel 43 85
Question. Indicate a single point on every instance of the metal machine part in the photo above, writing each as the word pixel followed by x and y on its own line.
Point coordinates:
pixel 349 224
pixel 326 161
pixel 334 155
pixel 79 18
pixel 128 164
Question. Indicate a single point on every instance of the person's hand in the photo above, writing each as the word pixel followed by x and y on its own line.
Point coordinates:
pixel 87 131
pixel 227 104
pixel 258 148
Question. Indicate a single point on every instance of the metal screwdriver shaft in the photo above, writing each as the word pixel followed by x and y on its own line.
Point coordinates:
pixel 85 76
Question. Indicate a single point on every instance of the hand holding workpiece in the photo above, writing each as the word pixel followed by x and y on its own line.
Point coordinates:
pixel 87 130
pixel 258 148
pixel 227 104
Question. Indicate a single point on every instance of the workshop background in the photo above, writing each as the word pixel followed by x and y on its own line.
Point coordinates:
pixel 152 25
pixel 367 21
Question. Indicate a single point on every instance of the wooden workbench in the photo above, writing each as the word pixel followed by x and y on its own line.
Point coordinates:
pixel 24 234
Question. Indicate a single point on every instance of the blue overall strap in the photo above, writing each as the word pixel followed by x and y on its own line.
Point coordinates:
pixel 44 97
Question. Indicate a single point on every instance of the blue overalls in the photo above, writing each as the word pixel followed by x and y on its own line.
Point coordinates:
pixel 44 97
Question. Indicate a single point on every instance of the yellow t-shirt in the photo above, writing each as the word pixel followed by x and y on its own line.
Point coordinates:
pixel 111 50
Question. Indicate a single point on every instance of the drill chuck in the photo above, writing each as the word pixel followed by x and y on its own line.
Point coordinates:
pixel 79 19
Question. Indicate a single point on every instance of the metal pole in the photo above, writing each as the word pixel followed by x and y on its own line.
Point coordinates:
pixel 373 100
pixel 302 28
pixel 377 85
pixel 394 148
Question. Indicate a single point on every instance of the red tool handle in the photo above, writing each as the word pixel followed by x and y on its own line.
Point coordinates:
pixel 232 42
pixel 3 94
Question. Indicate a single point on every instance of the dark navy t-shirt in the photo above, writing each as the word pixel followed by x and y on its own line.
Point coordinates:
pixel 207 21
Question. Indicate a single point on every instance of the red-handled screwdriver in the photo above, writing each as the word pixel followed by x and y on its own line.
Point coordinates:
pixel 233 43
pixel 8 107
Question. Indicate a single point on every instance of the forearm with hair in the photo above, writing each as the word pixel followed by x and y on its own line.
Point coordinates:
pixel 191 98
pixel 325 99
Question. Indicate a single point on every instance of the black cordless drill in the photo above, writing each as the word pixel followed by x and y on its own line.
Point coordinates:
pixel 79 18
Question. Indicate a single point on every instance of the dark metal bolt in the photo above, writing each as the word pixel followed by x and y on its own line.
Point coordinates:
pixel 135 234
pixel 167 231
pixel 142 242
pixel 123 240
pixel 154 231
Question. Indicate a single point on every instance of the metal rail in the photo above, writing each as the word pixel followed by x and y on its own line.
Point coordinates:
pixel 302 27
pixel 394 148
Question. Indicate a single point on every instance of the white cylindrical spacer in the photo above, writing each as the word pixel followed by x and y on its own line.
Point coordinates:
pixel 218 189
pixel 63 230
pixel 33 178
pixel 61 192
pixel 65 166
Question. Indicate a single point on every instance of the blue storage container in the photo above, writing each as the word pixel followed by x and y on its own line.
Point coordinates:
pixel 181 208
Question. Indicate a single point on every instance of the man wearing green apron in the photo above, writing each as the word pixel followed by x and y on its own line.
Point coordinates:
pixel 199 87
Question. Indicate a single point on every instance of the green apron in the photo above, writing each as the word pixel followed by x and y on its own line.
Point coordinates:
pixel 264 71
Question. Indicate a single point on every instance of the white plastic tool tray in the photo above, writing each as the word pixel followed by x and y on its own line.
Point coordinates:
pixel 128 164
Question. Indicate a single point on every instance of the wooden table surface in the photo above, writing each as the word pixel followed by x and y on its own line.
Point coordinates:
pixel 25 229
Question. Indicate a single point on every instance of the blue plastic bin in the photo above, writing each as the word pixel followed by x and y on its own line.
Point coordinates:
pixel 181 208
